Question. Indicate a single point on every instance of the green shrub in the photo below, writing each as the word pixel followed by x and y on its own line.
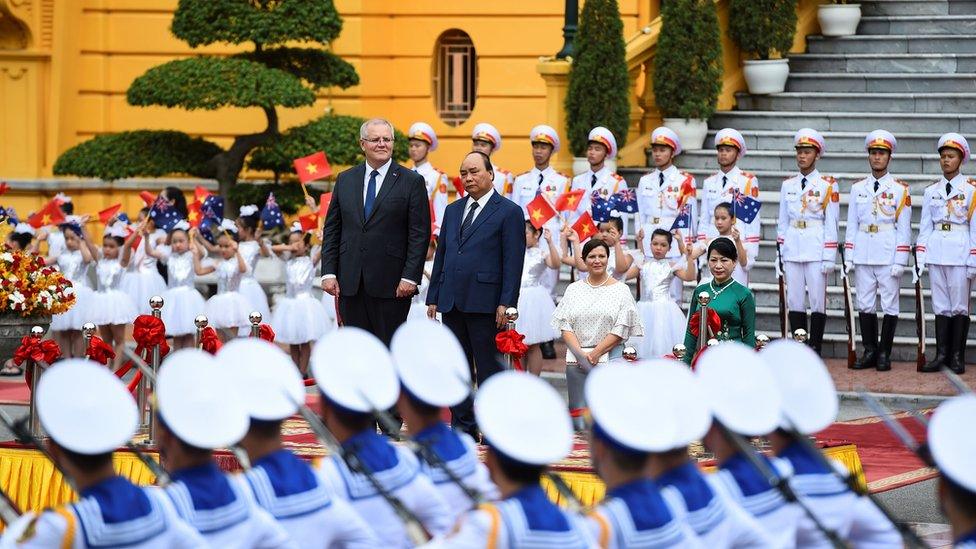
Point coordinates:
pixel 761 27
pixel 687 65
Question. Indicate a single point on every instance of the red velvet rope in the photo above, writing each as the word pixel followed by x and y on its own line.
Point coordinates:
pixel 124 369
pixel 99 351
pixel 149 331
pixel 309 382
pixel 209 341
pixel 34 349
pixel 714 322
pixel 134 384
pixel 510 343
pixel 578 412
pixel 266 333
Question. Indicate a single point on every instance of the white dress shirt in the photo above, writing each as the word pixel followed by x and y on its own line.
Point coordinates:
pixel 482 202
pixel 379 178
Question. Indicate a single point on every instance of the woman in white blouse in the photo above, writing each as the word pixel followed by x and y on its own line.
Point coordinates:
pixel 596 316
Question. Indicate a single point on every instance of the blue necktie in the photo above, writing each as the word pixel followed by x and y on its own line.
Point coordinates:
pixel 370 194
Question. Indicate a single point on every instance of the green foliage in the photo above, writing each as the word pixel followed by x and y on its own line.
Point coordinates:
pixel 338 136
pixel 289 196
pixel 599 92
pixel 212 82
pixel 141 153
pixel 317 67
pixel 687 65
pixel 761 27
pixel 265 22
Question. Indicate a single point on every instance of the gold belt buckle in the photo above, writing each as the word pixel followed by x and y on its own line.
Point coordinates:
pixel 656 220
pixel 946 226
pixel 801 224
pixel 872 228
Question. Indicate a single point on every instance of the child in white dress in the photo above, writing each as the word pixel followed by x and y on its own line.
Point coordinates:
pixel 728 227
pixel 74 262
pixel 252 248
pixel 664 323
pixel 228 309
pixel 418 303
pixel 621 259
pixel 299 319
pixel 112 309
pixel 535 305
pixel 142 280
pixel 182 302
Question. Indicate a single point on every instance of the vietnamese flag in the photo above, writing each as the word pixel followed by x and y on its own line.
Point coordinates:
pixel 200 194
pixel 312 167
pixel 50 214
pixel 309 222
pixel 193 216
pixel 147 197
pixel 129 231
pixel 109 213
pixel 324 200
pixel 584 226
pixel 4 187
pixel 458 186
pixel 686 191
pixel 568 202
pixel 540 211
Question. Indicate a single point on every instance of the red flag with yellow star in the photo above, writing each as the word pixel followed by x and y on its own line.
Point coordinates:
pixel 584 226
pixel 540 211
pixel 193 216
pixel 309 222
pixel 108 213
pixel 568 202
pixel 312 167
pixel 50 214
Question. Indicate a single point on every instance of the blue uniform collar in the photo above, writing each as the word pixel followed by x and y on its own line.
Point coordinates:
pixel 541 513
pixel 373 450
pixel 746 477
pixel 644 501
pixel 118 499
pixel 207 485
pixel 967 538
pixel 288 474
pixel 688 480
pixel 445 442
pixel 803 463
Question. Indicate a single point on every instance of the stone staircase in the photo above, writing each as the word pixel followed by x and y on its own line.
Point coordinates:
pixel 911 69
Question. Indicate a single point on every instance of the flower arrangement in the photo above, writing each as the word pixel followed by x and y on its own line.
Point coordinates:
pixel 30 288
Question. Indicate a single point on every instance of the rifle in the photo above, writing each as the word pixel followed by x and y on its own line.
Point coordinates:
pixel 902 434
pixel 784 324
pixel 848 311
pixel 919 314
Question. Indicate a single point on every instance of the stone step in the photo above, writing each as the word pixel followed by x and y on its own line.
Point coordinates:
pixel 766 160
pixel 905 7
pixel 880 82
pixel 767 320
pixel 917 24
pixel 846 121
pixel 893 43
pixel 883 62
pixel 836 141
pixel 858 102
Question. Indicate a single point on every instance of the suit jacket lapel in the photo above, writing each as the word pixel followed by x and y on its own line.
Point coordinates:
pixel 359 187
pixel 490 209
pixel 391 178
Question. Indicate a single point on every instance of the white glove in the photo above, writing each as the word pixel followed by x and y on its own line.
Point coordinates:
pixel 848 266
pixel 897 270
pixel 827 267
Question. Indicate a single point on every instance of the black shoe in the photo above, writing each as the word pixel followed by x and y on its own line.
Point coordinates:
pixel 888 325
pixel 957 335
pixel 818 321
pixel 548 349
pixel 869 339
pixel 965 341
pixel 941 345
pixel 797 320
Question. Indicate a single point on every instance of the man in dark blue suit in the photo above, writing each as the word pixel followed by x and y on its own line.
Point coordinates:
pixel 477 272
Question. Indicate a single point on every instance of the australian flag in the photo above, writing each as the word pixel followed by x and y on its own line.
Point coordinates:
pixel 164 215
pixel 683 221
pixel 745 207
pixel 624 201
pixel 271 217
pixel 9 215
pixel 211 214
pixel 599 207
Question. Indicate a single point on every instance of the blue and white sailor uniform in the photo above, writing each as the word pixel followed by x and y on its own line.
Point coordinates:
pixel 289 489
pixel 743 484
pixel 968 541
pixel 398 471
pixel 222 510
pixel 635 515
pixel 112 513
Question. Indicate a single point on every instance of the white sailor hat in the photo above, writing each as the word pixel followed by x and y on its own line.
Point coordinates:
pixel 545 134
pixel 353 369
pixel 523 418
pixel 487 133
pixel 604 137
pixel 84 407
pixel 951 442
pixel 880 139
pixel 268 381
pixel 809 399
pixel 955 141
pixel 622 413
pixel 666 136
pixel 431 363
pixel 423 132
pixel 809 137
pixel 740 389
pixel 198 404
pixel 674 383
pixel 732 138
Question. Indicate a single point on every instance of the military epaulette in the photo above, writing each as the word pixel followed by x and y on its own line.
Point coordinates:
pixel 748 175
pixel 501 170
pixel 901 182
pixel 527 172
pixel 971 181
pixel 562 174
pixel 617 176
pixel 828 178
pixel 686 174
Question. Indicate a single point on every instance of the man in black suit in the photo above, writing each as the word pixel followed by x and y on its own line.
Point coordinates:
pixel 376 236
pixel 477 272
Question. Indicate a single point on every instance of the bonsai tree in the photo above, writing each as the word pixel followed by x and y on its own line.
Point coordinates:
pixel 761 27
pixel 286 63
pixel 598 93
pixel 687 65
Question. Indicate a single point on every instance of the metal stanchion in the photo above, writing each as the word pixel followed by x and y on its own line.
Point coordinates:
pixel 201 322
pixel 630 353
pixel 511 315
pixel 711 342
pixel 704 298
pixel 87 331
pixel 255 318
pixel 147 385
pixel 37 368
pixel 800 335
pixel 761 341
pixel 679 351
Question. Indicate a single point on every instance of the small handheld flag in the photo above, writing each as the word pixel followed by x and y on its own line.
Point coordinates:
pixel 311 168
pixel 194 216
pixel 200 193
pixel 163 214
pixel 271 217
pixel 147 197
pixel 744 207
pixel 540 211
pixel 683 221
pixel 584 226
pixel 599 207
pixel 309 221
pixel 624 201
pixel 50 214
pixel 108 213
pixel 568 202
pixel 324 200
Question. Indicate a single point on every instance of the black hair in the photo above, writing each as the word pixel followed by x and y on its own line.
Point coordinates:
pixel 73 227
pixel 594 243
pixel 118 239
pixel 964 499
pixel 250 222
pixel 628 462
pixel 265 428
pixel 67 207
pixel 517 471
pixel 665 234
pixel 169 235
pixel 88 463
pixel 22 239
pixel 306 237
pixel 231 234
pixel 617 222
pixel 727 206
pixel 421 407
pixel 724 247
pixel 531 227
pixel 179 201
pixel 486 159
pixel 145 210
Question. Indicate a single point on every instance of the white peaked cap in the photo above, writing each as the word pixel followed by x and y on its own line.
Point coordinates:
pixel 808 394
pixel 486 132
pixel 951 440
pixel 198 403
pixel 431 363
pixel 423 132
pixel 617 397
pixel 84 407
pixel 809 137
pixel 674 383
pixel 666 136
pixel 268 381
pixel 957 142
pixel 605 137
pixel 354 370
pixel 545 134
pixel 524 418
pixel 732 138
pixel 740 388
pixel 880 139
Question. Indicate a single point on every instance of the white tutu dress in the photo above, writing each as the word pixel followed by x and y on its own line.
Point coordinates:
pixel 181 302
pixel 228 308
pixel 664 323
pixel 535 305
pixel 142 279
pixel 72 265
pixel 298 316
pixel 111 305
pixel 418 304
pixel 250 287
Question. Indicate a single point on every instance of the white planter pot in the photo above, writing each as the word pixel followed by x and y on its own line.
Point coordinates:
pixel 838 19
pixel 691 132
pixel 766 75
pixel 580 164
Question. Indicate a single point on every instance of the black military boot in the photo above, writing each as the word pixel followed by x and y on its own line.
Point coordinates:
pixel 818 321
pixel 797 319
pixel 957 337
pixel 869 339
pixel 965 340
pixel 888 325
pixel 548 349
pixel 941 345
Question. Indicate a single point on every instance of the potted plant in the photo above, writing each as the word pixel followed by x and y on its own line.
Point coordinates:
pixel 599 87
pixel 762 28
pixel 838 18
pixel 687 68
pixel 30 293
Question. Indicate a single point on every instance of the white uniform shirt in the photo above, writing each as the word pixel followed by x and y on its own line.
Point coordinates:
pixel 713 193
pixel 659 202
pixel 549 183
pixel 436 182
pixel 635 515
pixel 504 181
pixel 879 222
pixel 945 234
pixel 808 214
pixel 607 184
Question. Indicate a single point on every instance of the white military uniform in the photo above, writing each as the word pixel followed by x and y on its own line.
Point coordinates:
pixel 504 182
pixel 947 242
pixel 635 515
pixel 879 235
pixel 436 182
pixel 550 184
pixel 504 179
pixel 721 187
pixel 659 201
pixel 740 482
pixel 599 185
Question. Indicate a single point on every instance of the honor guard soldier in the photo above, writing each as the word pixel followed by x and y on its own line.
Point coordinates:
pixel 598 182
pixel 947 246
pixel 486 139
pixel 198 412
pixel 952 446
pixel 725 186
pixel 663 194
pixel 356 378
pixel 287 487
pixel 522 440
pixel 809 405
pixel 423 141
pixel 626 427
pixel 809 206
pixel 878 242
pixel 434 375
pixel 88 413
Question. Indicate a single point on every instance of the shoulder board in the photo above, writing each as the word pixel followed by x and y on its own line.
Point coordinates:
pixel 617 176
pixel 936 182
pixel 686 174
pixel 748 175
pixel 527 172
pixel 789 178
pixel 829 178
pixel 502 170
pixel 971 181
pixel 901 182
pixel 562 174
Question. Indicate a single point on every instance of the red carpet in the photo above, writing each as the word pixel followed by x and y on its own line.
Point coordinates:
pixel 14 390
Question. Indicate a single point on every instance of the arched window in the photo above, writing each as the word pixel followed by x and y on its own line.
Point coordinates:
pixel 455 76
